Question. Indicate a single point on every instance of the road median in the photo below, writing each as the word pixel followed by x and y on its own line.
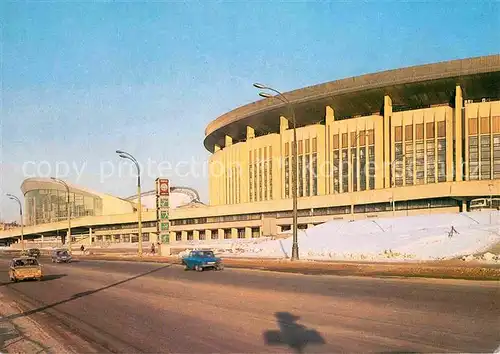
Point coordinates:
pixel 439 269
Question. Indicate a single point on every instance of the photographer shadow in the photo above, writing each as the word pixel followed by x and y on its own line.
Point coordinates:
pixel 292 334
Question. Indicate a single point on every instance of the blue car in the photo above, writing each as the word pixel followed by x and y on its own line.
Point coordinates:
pixel 200 260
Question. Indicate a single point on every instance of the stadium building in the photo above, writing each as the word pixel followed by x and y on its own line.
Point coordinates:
pixel 422 139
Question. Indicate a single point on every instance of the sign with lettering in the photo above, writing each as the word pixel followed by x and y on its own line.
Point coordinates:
pixel 163 209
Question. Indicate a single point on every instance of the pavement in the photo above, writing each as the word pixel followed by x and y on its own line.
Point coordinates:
pixel 448 269
pixel 140 307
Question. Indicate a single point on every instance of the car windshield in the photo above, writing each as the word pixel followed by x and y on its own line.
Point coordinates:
pixel 62 253
pixel 25 262
pixel 206 254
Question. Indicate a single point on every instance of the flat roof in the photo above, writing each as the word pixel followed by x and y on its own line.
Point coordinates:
pixel 409 88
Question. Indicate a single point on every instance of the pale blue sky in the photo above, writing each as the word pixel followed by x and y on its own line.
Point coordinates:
pixel 81 79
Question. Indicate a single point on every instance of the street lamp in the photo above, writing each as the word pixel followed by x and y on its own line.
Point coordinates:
pixel 291 110
pixel 68 208
pixel 13 197
pixel 127 156
pixel 393 182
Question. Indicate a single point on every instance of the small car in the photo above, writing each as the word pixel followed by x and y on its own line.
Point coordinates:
pixel 34 252
pixel 25 268
pixel 200 260
pixel 61 256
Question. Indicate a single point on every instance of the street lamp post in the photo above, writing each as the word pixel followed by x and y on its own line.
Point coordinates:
pixel 127 156
pixel 68 209
pixel 291 110
pixel 13 197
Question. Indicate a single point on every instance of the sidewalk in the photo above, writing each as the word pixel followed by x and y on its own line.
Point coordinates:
pixel 438 269
pixel 22 334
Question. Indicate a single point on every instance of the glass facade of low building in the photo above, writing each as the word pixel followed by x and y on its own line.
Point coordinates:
pixel 50 205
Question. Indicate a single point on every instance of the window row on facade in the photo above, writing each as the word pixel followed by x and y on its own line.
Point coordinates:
pixel 484 148
pixel 420 154
pixel 356 161
pixel 324 211
pixel 125 238
pixel 227 233
pixel 260 174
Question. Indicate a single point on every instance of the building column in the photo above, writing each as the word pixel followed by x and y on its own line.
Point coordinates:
pixel 248 232
pixel 458 134
pixel 171 237
pixel 281 168
pixel 90 236
pixel 208 234
pixel 184 236
pixel 283 124
pixel 387 140
pixel 196 235
pixel 234 232
pixel 221 234
pixel 250 133
pixel 450 153
pixel 329 119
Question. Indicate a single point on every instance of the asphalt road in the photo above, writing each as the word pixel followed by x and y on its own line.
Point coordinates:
pixel 154 308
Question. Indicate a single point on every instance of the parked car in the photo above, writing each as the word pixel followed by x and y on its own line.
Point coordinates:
pixel 200 260
pixel 61 256
pixel 25 268
pixel 34 252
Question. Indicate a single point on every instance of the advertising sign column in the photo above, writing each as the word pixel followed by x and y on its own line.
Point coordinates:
pixel 162 209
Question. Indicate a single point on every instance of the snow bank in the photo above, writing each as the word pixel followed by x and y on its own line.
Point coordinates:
pixel 422 237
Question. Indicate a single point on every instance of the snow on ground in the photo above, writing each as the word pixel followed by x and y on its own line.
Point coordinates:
pixel 422 237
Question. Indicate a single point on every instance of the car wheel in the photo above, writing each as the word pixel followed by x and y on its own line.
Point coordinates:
pixel 199 268
pixel 221 267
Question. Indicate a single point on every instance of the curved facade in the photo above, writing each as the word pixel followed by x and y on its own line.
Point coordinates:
pixel 421 133
pixel 46 202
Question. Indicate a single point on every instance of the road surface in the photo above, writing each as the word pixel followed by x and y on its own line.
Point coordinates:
pixel 155 308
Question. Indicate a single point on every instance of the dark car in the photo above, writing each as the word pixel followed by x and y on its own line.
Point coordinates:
pixel 200 260
pixel 61 256
pixel 33 252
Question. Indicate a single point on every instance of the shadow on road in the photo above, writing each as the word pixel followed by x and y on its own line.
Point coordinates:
pixel 44 278
pixel 292 334
pixel 49 277
pixel 79 295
